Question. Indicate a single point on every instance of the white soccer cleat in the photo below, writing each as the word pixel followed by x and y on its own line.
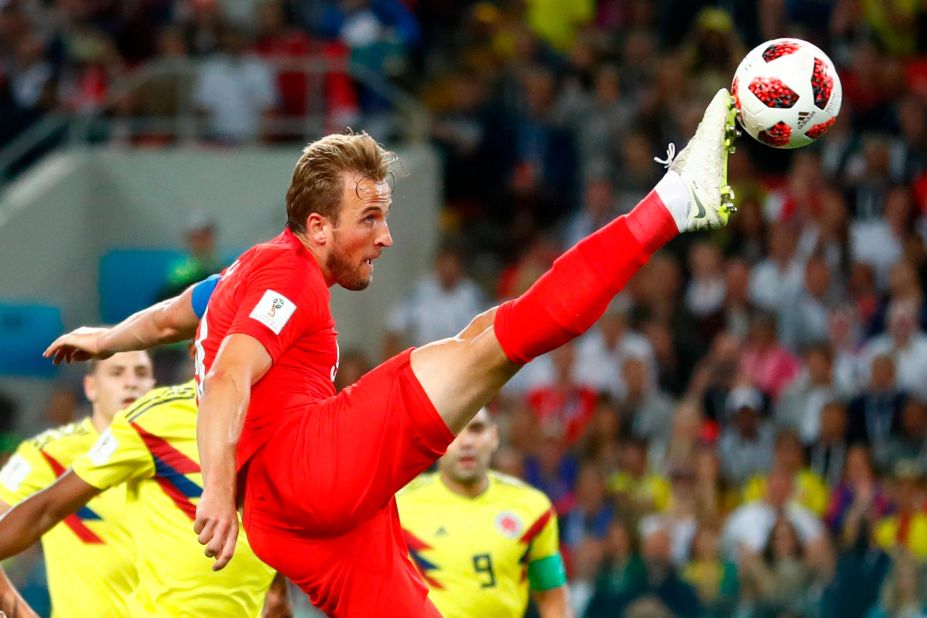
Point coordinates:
pixel 702 166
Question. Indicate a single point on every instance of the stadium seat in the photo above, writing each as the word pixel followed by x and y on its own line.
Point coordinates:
pixel 132 279
pixel 26 330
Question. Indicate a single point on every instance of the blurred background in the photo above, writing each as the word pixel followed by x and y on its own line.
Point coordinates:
pixel 743 433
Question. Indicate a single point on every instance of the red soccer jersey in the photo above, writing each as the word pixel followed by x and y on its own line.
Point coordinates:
pixel 274 292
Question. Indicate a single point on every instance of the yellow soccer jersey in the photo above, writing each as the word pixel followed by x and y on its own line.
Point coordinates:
pixel 810 491
pixel 90 556
pixel 151 446
pixel 477 555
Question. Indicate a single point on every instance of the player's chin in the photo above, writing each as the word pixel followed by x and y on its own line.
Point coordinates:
pixel 359 280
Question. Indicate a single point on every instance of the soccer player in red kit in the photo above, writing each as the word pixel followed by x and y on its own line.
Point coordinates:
pixel 315 471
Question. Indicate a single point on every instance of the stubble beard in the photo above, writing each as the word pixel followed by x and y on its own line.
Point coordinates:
pixel 347 275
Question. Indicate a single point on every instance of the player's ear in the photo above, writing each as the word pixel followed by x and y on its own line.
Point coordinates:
pixel 317 227
pixel 494 436
pixel 90 388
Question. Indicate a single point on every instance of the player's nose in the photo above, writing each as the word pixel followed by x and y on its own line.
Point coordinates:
pixel 385 239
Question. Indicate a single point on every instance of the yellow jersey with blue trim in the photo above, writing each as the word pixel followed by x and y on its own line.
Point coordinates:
pixel 90 555
pixel 151 448
pixel 480 556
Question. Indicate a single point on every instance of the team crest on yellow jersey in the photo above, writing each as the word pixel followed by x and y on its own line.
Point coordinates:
pixel 509 524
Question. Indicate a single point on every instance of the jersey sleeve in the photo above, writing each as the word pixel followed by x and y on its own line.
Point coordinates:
pixel 202 292
pixel 118 456
pixel 24 474
pixel 545 566
pixel 278 306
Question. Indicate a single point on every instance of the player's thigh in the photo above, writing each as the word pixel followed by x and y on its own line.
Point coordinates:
pixel 463 373
pixel 361 573
pixel 336 464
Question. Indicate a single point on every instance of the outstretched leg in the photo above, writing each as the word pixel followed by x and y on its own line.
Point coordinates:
pixel 463 373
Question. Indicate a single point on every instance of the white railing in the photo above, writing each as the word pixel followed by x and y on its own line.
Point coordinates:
pixel 404 119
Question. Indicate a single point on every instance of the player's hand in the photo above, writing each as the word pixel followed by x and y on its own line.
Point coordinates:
pixel 217 526
pixel 78 345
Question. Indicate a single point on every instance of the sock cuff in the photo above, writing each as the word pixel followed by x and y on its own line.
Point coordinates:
pixel 652 223
pixel 672 191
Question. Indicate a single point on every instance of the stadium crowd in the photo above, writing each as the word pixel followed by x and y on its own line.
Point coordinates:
pixel 745 430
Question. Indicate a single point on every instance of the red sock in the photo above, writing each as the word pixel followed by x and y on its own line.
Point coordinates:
pixel 570 297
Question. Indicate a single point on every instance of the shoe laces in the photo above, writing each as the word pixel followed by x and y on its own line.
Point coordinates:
pixel 670 156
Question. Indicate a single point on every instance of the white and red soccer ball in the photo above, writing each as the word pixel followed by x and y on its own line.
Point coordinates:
pixel 787 93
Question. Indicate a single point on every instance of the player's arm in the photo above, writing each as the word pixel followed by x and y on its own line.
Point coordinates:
pixel 12 605
pixel 241 361
pixel 168 321
pixel 553 603
pixel 546 572
pixel 25 523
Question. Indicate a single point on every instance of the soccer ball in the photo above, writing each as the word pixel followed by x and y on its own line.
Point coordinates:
pixel 787 93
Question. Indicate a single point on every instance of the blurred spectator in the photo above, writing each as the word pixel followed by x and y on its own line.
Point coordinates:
pixel 278 39
pixel 809 489
pixel 557 22
pixel 880 224
pixel 235 90
pixel 598 208
pixel 844 340
pixel 662 581
pixel 620 571
pixel 903 286
pixel 705 293
pixel 907 527
pixel 591 513
pixel 650 408
pixel 749 235
pixel 778 276
pixel 201 260
pixel 803 317
pixel 749 527
pixel 378 33
pixel 602 352
pixel 715 376
pixel 909 442
pixel 459 130
pixel 637 488
pixel 800 405
pixel 31 77
pixel 439 305
pixel 715 580
pixel 903 592
pixel 686 432
pixel 858 578
pixel 906 343
pixel 163 95
pixel 746 446
pixel 768 364
pixel 203 25
pixel 553 470
pixel 874 414
pixel 563 407
pixel 781 578
pixel 858 502
pixel 826 456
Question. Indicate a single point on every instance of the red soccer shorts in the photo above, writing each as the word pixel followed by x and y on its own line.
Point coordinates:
pixel 319 503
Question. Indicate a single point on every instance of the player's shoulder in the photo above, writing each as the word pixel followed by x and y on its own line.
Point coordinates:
pixel 61 438
pixel 177 396
pixel 419 486
pixel 510 487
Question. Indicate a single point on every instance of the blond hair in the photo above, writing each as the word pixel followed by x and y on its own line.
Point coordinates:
pixel 318 178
